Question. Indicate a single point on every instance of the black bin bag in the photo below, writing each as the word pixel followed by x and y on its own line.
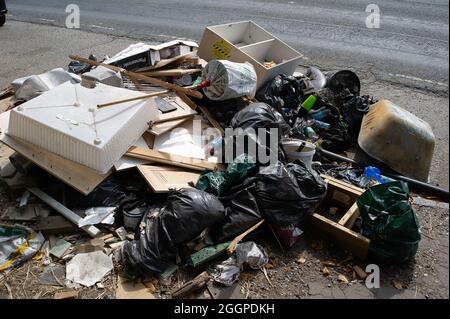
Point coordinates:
pixel 242 213
pixel 256 121
pixel 287 194
pixel 186 214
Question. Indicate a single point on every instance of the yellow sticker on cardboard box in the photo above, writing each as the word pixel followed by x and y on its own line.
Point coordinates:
pixel 222 50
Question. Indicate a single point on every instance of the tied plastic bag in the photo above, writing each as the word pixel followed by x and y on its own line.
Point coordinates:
pixel 242 213
pixel 186 214
pixel 259 115
pixel 282 92
pixel 286 196
pixel 262 126
pixel 389 221
pixel 247 253
pixel 219 182
pixel 229 80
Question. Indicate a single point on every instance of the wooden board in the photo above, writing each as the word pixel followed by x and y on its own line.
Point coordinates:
pixel 163 178
pixel 126 162
pixel 6 103
pixel 161 128
pixel 343 194
pixel 346 238
pixel 170 159
pixel 80 177
pixel 171 72
pixel 349 219
pixel 183 110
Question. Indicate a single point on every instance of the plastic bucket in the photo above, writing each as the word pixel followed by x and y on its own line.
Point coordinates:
pixel 132 218
pixel 299 150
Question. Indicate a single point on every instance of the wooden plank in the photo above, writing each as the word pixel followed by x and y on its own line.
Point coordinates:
pixel 63 210
pixel 163 178
pixel 133 75
pixel 349 218
pixel 161 128
pixel 183 110
pixel 236 240
pixel 170 159
pixel 6 103
pixel 345 238
pixel 171 72
pixel 192 286
pixel 342 193
pixel 147 96
pixel 80 177
pixel 344 184
pixel 55 225
pixel 205 112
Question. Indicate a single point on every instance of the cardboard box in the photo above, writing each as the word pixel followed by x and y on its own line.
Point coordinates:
pixel 140 56
pixel 247 42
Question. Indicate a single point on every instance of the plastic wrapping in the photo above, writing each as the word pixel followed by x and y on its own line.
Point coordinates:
pixel 29 87
pixel 282 92
pixel 354 108
pixel 247 253
pixel 229 80
pixel 186 214
pixel 389 221
pixel 219 182
pixel 17 245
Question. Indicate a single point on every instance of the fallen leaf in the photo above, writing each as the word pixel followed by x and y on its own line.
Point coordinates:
pixel 360 273
pixel 301 260
pixel 399 284
pixel 268 266
pixel 329 263
pixel 326 271
pixel 317 244
pixel 342 278
pixel 245 276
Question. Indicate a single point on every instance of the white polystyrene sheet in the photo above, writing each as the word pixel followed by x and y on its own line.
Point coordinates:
pixel 66 121
pixel 182 140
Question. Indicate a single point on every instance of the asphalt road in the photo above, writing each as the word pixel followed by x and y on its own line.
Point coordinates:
pixel 410 47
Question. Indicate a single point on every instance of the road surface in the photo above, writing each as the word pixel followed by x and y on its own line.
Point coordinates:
pixel 410 47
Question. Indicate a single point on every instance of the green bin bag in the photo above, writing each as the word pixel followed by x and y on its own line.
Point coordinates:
pixel 389 221
pixel 219 182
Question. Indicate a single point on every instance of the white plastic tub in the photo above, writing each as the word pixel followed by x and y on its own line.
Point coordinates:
pixel 299 150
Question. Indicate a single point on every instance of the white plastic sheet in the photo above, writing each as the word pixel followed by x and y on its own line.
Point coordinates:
pixel 229 80
pixel 29 87
pixel 248 253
